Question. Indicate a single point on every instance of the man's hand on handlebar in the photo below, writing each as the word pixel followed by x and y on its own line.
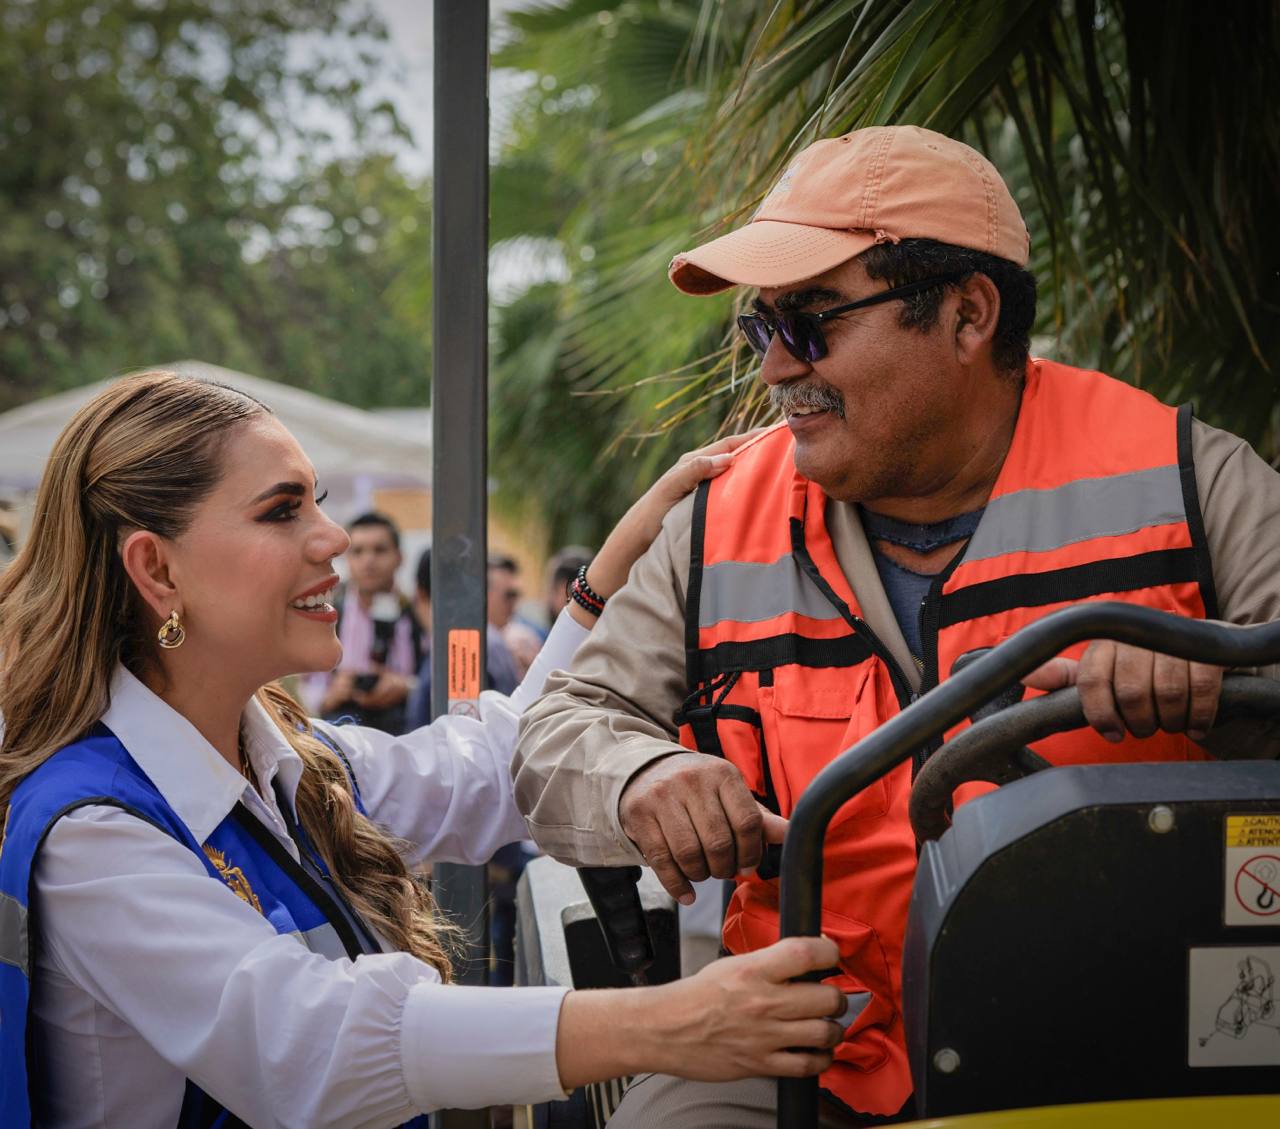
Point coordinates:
pixel 1123 687
pixel 693 817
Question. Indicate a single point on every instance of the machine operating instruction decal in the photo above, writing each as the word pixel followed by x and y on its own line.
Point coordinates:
pixel 1233 1006
pixel 1251 886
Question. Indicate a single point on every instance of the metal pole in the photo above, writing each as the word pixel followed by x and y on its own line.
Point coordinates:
pixel 460 314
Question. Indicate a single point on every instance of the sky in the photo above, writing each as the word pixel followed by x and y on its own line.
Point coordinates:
pixel 408 81
pixel 408 85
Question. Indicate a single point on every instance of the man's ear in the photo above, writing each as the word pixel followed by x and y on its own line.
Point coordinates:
pixel 977 315
pixel 145 556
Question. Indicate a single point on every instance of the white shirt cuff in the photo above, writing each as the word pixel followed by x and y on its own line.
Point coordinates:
pixel 469 1047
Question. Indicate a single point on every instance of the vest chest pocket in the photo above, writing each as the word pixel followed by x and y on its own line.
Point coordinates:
pixel 810 715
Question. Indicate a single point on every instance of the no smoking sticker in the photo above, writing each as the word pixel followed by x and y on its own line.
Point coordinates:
pixel 1251 888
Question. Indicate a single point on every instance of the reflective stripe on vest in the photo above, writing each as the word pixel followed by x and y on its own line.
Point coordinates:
pixel 1031 521
pixel 323 939
pixel 747 592
pixel 13 933
pixel 1096 499
pixel 1039 521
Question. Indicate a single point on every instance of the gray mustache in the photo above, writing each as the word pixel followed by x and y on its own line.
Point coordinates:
pixel 787 398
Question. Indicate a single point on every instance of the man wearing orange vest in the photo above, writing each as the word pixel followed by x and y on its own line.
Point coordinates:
pixel 930 491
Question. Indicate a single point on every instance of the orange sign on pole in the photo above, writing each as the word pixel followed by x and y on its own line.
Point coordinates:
pixel 464 671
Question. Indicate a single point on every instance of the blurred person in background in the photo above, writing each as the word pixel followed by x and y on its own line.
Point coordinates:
pixel 499 665
pixel 562 569
pixel 422 609
pixel 381 639
pixel 503 595
pixel 523 641
pixel 504 589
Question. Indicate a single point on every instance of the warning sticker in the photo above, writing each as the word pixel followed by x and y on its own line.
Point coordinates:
pixel 1253 830
pixel 464 671
pixel 1233 1006
pixel 1251 883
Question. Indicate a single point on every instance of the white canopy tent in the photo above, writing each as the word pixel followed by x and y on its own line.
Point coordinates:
pixel 354 451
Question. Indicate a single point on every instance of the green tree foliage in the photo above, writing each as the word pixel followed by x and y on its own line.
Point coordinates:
pixel 1138 139
pixel 164 196
pixel 592 371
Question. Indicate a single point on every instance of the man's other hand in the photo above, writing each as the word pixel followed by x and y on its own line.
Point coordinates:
pixel 693 817
pixel 1123 687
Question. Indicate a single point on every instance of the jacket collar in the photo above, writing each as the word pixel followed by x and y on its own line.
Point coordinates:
pixel 194 779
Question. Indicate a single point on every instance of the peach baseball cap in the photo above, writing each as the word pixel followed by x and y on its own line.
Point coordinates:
pixel 845 194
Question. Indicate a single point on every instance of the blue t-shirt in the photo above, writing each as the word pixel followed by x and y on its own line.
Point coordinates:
pixel 906 588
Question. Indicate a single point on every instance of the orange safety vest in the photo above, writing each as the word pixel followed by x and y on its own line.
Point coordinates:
pixel 1096 500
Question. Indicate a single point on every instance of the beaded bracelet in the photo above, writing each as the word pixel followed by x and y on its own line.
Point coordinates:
pixel 582 594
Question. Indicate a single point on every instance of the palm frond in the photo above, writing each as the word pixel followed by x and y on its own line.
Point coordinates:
pixel 653 124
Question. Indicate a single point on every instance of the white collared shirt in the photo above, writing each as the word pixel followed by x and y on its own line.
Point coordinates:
pixel 150 973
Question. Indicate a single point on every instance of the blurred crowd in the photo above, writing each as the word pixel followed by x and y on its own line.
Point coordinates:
pixel 384 678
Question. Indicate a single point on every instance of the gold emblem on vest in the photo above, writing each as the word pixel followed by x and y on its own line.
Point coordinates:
pixel 233 876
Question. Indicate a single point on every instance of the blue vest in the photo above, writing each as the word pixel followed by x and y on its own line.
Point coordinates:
pixel 299 899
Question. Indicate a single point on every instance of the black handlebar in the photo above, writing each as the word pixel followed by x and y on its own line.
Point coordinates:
pixel 945 705
pixel 994 749
pixel 614 894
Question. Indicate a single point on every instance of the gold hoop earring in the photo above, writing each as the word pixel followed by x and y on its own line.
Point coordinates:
pixel 171 633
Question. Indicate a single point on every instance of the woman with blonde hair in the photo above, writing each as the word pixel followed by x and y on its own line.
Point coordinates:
pixel 207 915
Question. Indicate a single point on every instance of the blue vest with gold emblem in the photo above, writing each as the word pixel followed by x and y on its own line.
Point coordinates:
pixel 297 898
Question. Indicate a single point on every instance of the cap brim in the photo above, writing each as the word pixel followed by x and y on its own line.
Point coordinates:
pixel 765 253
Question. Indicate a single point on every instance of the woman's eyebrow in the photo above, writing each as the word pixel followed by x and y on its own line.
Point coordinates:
pixel 294 488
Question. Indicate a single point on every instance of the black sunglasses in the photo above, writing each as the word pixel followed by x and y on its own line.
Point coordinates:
pixel 801 332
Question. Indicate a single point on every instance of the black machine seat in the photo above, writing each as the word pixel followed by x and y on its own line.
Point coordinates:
pixel 1067 940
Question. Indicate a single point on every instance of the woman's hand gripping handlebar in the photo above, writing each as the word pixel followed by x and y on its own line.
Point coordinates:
pixel 737 1018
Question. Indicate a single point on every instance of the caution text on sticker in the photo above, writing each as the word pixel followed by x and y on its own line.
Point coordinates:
pixel 1253 830
pixel 464 664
